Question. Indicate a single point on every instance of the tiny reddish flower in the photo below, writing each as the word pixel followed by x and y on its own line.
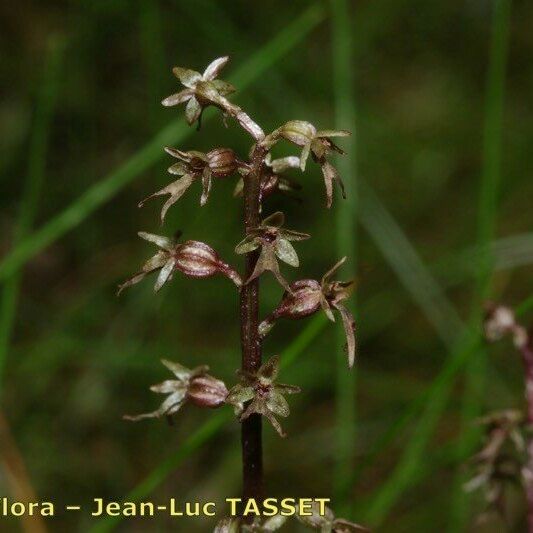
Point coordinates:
pixel 195 386
pixel 307 296
pixel 192 166
pixel 192 258
pixel 275 244
pixel 264 394
pixel 316 143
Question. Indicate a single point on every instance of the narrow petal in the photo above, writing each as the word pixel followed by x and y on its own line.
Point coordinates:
pixel 188 77
pixel 278 404
pixel 170 406
pixel 333 133
pixel 180 371
pixel 276 425
pixel 212 70
pixel 170 386
pixel 286 252
pixel 176 190
pixel 164 274
pixel 158 240
pixel 332 270
pixel 326 308
pixel 287 389
pixel 349 329
pixel 291 235
pixel 303 157
pixel 206 186
pixel 247 245
pixel 284 163
pixel 133 280
pixel 329 173
pixel 193 110
pixel 177 98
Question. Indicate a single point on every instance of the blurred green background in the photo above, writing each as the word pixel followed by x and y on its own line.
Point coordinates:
pixel 438 95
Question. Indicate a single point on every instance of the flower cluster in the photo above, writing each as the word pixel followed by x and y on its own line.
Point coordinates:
pixel 307 296
pixel 262 394
pixel 195 386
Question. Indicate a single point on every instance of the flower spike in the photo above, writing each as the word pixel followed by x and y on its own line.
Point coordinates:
pixel 195 386
pixel 307 296
pixel 265 395
pixel 275 244
pixel 193 258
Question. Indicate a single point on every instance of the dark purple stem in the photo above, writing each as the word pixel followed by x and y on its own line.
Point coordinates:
pixel 252 453
pixel 527 358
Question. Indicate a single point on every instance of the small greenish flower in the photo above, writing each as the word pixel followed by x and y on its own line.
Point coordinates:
pixel 327 523
pixel 318 143
pixel 195 386
pixel 305 297
pixel 193 258
pixel 275 244
pixel 201 90
pixel 192 166
pixel 266 397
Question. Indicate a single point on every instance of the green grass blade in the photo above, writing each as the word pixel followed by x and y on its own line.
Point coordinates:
pixel 38 147
pixel 405 472
pixel 406 263
pixel 175 132
pixel 476 371
pixel 346 237
pixel 207 431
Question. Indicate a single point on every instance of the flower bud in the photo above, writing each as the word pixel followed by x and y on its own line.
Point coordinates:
pixel 304 300
pixel 198 260
pixel 207 391
pixel 222 162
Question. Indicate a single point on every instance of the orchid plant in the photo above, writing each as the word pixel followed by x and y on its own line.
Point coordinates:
pixel 258 394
